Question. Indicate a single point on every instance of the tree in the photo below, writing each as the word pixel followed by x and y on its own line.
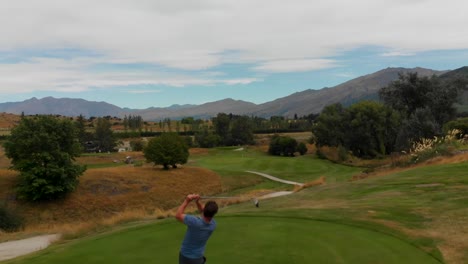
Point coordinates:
pixel 207 139
pixel 241 131
pixel 411 92
pixel 330 128
pixel 169 149
pixel 83 135
pixel 43 149
pixel 366 128
pixel 282 146
pixel 372 129
pixel 421 124
pixel 104 135
pixel 222 127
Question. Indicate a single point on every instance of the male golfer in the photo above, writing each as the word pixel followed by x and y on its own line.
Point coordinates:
pixel 199 229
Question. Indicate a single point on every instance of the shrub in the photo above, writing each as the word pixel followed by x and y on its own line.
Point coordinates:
pixel 282 146
pixel 302 148
pixel 426 149
pixel 10 220
pixel 137 144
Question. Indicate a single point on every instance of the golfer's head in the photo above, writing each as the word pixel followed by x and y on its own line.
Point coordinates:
pixel 211 208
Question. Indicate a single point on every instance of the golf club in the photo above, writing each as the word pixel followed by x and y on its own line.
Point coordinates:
pixel 218 197
pixel 255 200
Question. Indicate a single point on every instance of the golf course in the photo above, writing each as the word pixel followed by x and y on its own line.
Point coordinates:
pixel 408 215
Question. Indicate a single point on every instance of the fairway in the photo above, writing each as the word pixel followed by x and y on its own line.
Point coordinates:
pixel 240 239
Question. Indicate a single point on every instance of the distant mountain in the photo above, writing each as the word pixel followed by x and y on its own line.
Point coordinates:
pixel 62 106
pixel 199 111
pixel 300 103
pixel 313 101
pixel 459 75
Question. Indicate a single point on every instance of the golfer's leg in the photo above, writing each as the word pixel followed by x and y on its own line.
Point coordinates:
pixel 185 260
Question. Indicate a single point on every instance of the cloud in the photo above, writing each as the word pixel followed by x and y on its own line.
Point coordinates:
pixel 200 35
pixel 195 34
pixel 147 91
pixel 298 65
pixel 61 75
pixel 397 54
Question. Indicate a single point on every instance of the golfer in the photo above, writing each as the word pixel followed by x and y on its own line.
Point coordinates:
pixel 199 229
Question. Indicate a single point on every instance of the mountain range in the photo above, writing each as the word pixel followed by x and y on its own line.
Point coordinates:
pixel 300 103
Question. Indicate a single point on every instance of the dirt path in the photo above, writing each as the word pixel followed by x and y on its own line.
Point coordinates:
pixel 13 249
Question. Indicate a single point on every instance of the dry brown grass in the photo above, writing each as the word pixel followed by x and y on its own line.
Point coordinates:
pixel 109 196
pixel 103 158
pixel 4 161
pixel 316 182
pixel 8 121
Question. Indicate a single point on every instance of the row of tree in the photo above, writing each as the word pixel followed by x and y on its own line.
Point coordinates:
pixel 412 108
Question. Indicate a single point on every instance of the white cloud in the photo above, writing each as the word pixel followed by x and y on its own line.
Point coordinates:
pixel 299 65
pixel 193 34
pixel 277 36
pixel 46 74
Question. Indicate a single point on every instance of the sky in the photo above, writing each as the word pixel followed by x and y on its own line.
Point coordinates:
pixel 155 53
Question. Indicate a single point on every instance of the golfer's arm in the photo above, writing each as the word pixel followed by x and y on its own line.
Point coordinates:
pixel 200 207
pixel 180 211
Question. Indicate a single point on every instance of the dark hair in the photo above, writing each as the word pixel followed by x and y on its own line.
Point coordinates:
pixel 211 208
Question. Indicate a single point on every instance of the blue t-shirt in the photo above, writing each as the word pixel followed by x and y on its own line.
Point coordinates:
pixel 198 232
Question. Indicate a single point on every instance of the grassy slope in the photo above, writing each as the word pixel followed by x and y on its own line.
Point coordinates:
pixel 241 240
pixel 232 166
pixel 425 206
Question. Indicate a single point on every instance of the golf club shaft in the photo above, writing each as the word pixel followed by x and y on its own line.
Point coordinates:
pixel 217 197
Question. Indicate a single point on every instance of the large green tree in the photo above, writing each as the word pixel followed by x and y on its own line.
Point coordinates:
pixel 222 123
pixel 43 149
pixel 241 131
pixel 372 129
pixel 169 149
pixel 331 126
pixel 412 93
pixel 368 129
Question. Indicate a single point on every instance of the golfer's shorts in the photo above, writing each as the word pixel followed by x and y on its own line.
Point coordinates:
pixel 185 260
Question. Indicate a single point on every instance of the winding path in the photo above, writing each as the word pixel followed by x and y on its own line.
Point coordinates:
pixel 273 178
pixel 13 249
pixel 276 179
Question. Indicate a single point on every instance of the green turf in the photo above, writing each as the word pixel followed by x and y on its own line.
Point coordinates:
pixel 229 162
pixel 253 239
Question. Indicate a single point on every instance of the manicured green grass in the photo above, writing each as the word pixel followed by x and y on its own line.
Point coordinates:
pixel 253 239
pixel 425 200
pixel 229 162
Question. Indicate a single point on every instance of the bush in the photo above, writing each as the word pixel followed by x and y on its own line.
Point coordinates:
pixel 302 148
pixel 282 146
pixel 137 144
pixel 10 220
